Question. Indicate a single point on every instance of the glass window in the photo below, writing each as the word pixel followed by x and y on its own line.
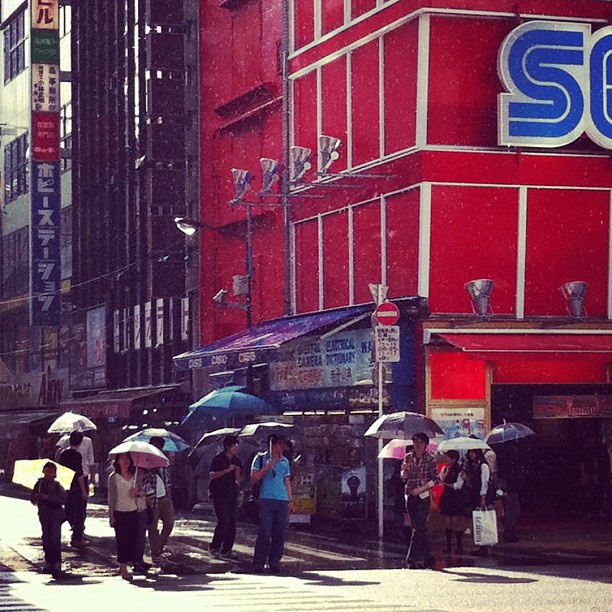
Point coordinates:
pixel 14 47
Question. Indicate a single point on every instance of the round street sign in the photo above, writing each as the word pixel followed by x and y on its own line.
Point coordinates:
pixel 387 313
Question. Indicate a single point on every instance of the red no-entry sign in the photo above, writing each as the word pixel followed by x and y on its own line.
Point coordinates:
pixel 387 313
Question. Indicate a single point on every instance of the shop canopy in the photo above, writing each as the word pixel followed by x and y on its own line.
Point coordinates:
pixel 117 404
pixel 537 342
pixel 258 344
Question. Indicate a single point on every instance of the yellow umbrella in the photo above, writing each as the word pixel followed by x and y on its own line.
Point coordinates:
pixel 28 471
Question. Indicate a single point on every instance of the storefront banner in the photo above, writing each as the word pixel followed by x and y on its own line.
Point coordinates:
pixel 557 81
pixel 45 14
pixel 45 46
pixel 460 422
pixel 572 407
pixel 46 137
pixel 96 337
pixel 46 88
pixel 342 360
pixel 45 245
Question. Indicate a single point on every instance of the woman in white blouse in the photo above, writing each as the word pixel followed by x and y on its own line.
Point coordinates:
pixel 125 501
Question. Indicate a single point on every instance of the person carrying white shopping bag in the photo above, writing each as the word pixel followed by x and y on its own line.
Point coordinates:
pixel 477 477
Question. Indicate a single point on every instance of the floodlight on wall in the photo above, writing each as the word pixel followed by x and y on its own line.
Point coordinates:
pixel 190 227
pixel 269 168
pixel 328 152
pixel 300 163
pixel 242 183
pixel 574 293
pixel 219 297
pixel 480 292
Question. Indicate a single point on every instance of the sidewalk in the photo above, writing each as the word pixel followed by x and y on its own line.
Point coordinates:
pixel 307 548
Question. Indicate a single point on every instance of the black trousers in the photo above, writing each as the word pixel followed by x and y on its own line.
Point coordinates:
pixel 225 531
pixel 126 535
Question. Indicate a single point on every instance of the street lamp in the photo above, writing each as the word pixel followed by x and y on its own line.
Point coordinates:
pixel 190 227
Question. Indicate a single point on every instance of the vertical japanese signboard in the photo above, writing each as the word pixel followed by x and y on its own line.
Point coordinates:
pixel 45 170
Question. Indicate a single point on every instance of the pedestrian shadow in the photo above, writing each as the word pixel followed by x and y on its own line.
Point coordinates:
pixel 179 583
pixel 316 579
pixel 486 578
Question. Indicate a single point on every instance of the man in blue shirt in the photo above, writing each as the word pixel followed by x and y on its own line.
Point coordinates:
pixel 273 473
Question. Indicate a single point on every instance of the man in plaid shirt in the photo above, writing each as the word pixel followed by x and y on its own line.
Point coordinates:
pixel 420 474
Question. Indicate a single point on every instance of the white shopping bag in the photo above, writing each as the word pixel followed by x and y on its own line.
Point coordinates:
pixel 485 527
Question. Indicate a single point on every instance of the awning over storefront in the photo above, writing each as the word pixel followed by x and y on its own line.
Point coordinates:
pixel 12 420
pixel 117 404
pixel 256 344
pixel 584 343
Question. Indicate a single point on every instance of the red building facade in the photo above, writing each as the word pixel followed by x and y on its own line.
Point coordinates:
pixel 425 196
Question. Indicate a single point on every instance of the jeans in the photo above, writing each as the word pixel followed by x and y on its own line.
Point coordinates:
pixel 76 510
pixel 418 509
pixel 164 512
pixel 225 531
pixel 51 523
pixel 270 545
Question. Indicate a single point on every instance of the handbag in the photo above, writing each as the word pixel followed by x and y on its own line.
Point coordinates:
pixel 484 527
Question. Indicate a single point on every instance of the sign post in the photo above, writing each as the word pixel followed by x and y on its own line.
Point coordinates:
pixel 379 293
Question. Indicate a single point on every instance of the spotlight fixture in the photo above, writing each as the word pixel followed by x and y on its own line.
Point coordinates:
pixel 242 183
pixel 574 293
pixel 269 168
pixel 480 292
pixel 300 163
pixel 328 153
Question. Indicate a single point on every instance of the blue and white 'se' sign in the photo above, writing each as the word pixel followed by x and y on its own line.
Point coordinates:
pixel 558 79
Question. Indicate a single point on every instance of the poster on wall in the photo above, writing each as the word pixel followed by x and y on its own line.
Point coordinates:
pixel 354 493
pixel 458 422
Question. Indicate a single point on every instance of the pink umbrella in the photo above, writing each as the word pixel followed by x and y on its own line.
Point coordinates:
pixel 396 449
pixel 143 454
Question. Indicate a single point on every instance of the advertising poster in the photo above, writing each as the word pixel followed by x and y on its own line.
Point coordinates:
pixel 458 422
pixel 354 493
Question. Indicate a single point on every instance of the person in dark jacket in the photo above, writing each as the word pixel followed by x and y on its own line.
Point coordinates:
pixel 50 496
pixel 225 472
pixel 453 502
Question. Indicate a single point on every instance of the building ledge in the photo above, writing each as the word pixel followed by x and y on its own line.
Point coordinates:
pixel 254 97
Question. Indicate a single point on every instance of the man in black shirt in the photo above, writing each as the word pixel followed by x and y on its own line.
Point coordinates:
pixel 225 472
pixel 76 500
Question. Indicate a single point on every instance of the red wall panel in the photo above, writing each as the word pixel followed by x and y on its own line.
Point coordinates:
pixel 333 78
pixel 473 235
pixel 359 7
pixel 332 15
pixel 454 376
pixel 304 22
pixel 335 260
pixel 400 70
pixel 246 45
pixel 305 112
pixel 365 103
pixel 403 244
pixel 463 82
pixel 307 266
pixel 567 239
pixel 367 256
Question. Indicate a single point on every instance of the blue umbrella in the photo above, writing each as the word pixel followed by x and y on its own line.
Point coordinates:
pixel 172 442
pixel 227 402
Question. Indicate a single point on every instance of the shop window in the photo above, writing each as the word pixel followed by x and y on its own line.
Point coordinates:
pixel 14 47
pixel 16 168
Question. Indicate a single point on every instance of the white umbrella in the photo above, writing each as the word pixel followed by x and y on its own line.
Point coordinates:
pixel 508 432
pixel 143 454
pixel 403 425
pixel 69 422
pixel 462 443
pixel 264 429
